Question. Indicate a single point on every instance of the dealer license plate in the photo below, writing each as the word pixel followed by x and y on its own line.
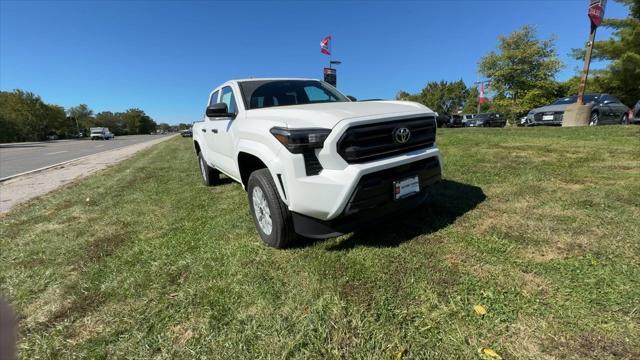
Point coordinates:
pixel 406 187
pixel 547 117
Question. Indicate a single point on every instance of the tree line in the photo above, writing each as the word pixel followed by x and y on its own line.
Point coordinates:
pixel 24 116
pixel 522 72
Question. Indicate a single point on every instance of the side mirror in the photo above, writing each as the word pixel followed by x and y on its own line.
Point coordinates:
pixel 352 98
pixel 218 110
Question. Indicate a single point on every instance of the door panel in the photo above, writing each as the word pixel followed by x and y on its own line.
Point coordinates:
pixel 220 135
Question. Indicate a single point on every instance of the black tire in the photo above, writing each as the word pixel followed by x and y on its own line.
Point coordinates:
pixel 625 119
pixel 282 233
pixel 210 176
pixel 594 119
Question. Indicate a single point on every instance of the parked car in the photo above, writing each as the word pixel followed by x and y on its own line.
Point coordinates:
pixel 313 162
pixel 442 120
pixel 606 109
pixel 634 114
pixel 449 120
pixel 101 133
pixel 455 121
pixel 187 133
pixel 467 117
pixel 487 120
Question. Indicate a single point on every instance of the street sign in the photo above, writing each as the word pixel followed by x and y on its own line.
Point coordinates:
pixel 596 11
pixel 330 76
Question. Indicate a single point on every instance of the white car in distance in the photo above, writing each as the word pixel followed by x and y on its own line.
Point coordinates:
pixel 314 162
pixel 101 133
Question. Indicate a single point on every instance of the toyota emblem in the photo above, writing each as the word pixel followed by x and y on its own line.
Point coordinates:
pixel 401 135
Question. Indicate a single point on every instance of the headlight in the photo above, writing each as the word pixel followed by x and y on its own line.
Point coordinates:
pixel 298 140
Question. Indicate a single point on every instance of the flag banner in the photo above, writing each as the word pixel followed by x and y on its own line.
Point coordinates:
pixel 324 45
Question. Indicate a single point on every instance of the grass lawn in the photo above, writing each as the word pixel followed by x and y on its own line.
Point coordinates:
pixel 540 226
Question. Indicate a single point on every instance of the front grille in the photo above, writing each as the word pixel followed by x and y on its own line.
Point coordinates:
pixel 557 116
pixel 376 189
pixel 369 142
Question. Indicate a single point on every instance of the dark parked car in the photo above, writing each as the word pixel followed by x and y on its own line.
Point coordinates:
pixel 487 120
pixel 187 133
pixel 449 120
pixel 606 109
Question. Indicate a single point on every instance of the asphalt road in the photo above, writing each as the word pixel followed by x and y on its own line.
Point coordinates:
pixel 18 158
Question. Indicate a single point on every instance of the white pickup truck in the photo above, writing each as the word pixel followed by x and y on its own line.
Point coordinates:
pixel 315 163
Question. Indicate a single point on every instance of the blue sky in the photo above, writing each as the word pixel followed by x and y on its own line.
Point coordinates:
pixel 165 56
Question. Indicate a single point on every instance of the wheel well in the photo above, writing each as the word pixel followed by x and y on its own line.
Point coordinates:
pixel 247 164
pixel 196 147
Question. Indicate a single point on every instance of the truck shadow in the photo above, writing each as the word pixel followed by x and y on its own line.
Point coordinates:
pixel 448 200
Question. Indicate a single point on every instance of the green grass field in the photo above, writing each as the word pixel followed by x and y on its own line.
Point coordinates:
pixel 540 226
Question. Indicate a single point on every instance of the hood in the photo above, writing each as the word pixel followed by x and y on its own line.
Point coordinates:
pixel 548 108
pixel 327 115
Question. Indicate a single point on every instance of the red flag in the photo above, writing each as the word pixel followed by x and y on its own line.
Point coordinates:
pixel 324 45
pixel 481 98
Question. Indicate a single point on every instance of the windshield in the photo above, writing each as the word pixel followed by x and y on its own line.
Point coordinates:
pixel 572 99
pixel 268 93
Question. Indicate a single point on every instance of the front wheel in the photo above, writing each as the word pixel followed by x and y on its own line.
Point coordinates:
pixel 270 215
pixel 594 119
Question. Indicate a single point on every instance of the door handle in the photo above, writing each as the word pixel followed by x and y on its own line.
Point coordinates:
pixel 215 131
pixel 204 130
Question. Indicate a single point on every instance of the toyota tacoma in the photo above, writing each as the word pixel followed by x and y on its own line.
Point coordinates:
pixel 314 162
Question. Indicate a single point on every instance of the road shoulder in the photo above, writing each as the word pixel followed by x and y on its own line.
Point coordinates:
pixel 29 186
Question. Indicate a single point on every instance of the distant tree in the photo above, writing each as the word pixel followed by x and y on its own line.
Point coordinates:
pixel 521 72
pixel 183 126
pixel 440 96
pixel 24 117
pixel 113 121
pixel 405 96
pixel 164 127
pixel 137 122
pixel 83 115
pixel 622 75
pixel 56 122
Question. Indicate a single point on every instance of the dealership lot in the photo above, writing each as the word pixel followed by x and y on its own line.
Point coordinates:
pixel 537 225
pixel 23 157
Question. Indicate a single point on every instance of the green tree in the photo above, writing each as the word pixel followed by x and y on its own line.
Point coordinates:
pixel 83 115
pixel 522 72
pixel 25 117
pixel 622 75
pixel 440 96
pixel 137 122
pixel 113 121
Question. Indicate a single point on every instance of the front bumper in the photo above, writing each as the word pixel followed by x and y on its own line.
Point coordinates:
pixel 325 196
pixel 373 199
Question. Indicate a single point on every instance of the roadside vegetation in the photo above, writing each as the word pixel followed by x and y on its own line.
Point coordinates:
pixel 24 116
pixel 539 226
pixel 521 74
